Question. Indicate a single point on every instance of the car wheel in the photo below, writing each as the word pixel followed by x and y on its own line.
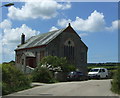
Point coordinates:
pixel 99 77
pixel 106 76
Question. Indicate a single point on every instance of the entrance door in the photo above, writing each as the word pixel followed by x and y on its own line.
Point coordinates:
pixel 31 62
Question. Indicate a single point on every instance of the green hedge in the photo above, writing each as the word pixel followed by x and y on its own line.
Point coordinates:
pixel 13 80
pixel 43 75
pixel 116 82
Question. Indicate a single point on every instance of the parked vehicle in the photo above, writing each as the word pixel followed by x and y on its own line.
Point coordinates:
pixel 98 73
pixel 76 75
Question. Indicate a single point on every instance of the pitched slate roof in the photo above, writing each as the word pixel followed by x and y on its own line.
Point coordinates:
pixel 41 39
pixel 29 54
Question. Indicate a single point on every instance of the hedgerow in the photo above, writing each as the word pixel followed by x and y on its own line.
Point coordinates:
pixel 13 79
pixel 116 82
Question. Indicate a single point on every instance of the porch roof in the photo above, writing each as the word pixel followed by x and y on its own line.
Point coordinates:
pixel 29 54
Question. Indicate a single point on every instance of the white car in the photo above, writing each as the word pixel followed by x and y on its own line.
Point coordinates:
pixel 98 73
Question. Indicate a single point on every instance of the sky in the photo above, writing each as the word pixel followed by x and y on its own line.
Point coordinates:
pixel 95 22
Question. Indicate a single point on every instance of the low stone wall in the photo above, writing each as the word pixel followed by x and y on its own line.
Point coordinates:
pixel 61 76
pixel 29 70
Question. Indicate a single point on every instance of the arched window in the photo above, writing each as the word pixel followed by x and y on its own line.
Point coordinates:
pixel 69 50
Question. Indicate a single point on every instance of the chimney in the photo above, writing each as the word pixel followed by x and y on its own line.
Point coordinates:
pixel 69 24
pixel 22 39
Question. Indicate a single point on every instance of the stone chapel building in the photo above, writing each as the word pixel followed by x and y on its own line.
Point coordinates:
pixel 62 43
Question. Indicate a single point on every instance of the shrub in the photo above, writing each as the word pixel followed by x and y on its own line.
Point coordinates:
pixel 13 79
pixel 112 73
pixel 49 65
pixel 116 82
pixel 57 62
pixel 68 68
pixel 42 74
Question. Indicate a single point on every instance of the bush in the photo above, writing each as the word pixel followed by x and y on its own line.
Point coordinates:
pixel 48 66
pixel 13 79
pixel 116 82
pixel 68 68
pixel 57 62
pixel 112 73
pixel 42 74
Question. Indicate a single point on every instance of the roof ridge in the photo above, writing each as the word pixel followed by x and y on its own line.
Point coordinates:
pixel 51 31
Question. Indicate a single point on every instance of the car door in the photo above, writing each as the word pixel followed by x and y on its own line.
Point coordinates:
pixel 103 73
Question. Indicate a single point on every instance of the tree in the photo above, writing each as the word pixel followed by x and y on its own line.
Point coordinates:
pixel 55 63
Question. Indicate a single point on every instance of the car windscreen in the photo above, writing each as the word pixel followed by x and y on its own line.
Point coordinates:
pixel 94 70
pixel 72 73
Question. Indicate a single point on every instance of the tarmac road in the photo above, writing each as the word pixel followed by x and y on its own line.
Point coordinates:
pixel 76 88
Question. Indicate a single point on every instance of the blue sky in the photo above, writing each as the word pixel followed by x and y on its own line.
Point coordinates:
pixel 95 22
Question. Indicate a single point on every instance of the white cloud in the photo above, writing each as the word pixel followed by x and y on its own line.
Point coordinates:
pixel 44 9
pixel 5 24
pixel 53 28
pixel 64 6
pixel 0 48
pixel 115 25
pixel 94 23
pixel 12 36
pixel 83 34
pixel 64 22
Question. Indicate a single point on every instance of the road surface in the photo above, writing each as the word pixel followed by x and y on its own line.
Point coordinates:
pixel 76 88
